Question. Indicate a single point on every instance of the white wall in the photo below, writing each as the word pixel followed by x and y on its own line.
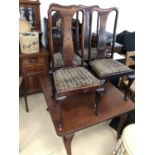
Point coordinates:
pixel 126 19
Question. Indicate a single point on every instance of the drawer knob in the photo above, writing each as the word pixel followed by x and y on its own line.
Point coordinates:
pixel 33 60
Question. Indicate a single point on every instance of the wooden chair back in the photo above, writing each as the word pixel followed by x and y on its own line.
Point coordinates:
pixel 87 31
pixel 66 13
pixel 101 29
pixel 88 20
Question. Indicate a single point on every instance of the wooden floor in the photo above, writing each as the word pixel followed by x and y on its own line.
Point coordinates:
pixel 78 111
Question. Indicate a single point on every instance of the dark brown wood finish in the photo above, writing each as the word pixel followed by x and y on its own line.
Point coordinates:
pixel 67 142
pixel 57 31
pixel 102 43
pixel 78 113
pixel 101 28
pixel 31 65
pixel 88 26
pixel 99 41
pixel 88 20
pixel 66 13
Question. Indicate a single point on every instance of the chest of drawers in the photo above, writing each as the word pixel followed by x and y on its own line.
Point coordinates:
pixel 31 67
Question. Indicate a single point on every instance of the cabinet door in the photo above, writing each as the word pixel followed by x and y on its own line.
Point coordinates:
pixel 33 84
pixel 32 73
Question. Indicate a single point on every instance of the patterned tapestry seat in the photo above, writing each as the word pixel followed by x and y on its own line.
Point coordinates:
pixel 59 60
pixel 93 53
pixel 106 67
pixel 74 78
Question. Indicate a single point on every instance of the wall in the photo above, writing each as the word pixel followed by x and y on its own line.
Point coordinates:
pixel 126 19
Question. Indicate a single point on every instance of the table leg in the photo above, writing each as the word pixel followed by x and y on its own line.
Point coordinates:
pixel 67 142
pixel 121 124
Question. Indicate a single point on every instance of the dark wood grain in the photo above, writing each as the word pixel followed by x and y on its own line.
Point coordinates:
pixel 31 65
pixel 68 50
pixel 66 13
pixel 67 142
pixel 78 112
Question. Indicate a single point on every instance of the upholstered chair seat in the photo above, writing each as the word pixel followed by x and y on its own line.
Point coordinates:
pixel 69 77
pixel 59 60
pixel 107 67
pixel 93 54
pixel 74 78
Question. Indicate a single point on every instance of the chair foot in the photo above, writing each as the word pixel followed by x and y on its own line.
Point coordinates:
pixel 26 103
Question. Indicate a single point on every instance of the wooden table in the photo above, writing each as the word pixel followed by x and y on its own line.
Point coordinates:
pixel 78 111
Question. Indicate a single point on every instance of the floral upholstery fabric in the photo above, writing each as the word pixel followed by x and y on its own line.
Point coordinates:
pixel 59 60
pixel 103 67
pixel 71 78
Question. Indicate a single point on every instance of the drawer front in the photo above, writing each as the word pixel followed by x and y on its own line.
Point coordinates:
pixel 34 58
pixel 34 69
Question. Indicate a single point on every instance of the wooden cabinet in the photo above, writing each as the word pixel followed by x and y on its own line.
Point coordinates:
pixel 30 10
pixel 33 65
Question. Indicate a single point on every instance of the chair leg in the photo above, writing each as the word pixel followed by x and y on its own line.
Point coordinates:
pixel 59 102
pixel 120 85
pixel 26 103
pixel 25 94
pixel 53 87
pixel 127 88
pixel 59 115
pixel 98 96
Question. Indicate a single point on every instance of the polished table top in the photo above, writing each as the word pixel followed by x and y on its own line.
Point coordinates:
pixel 78 111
